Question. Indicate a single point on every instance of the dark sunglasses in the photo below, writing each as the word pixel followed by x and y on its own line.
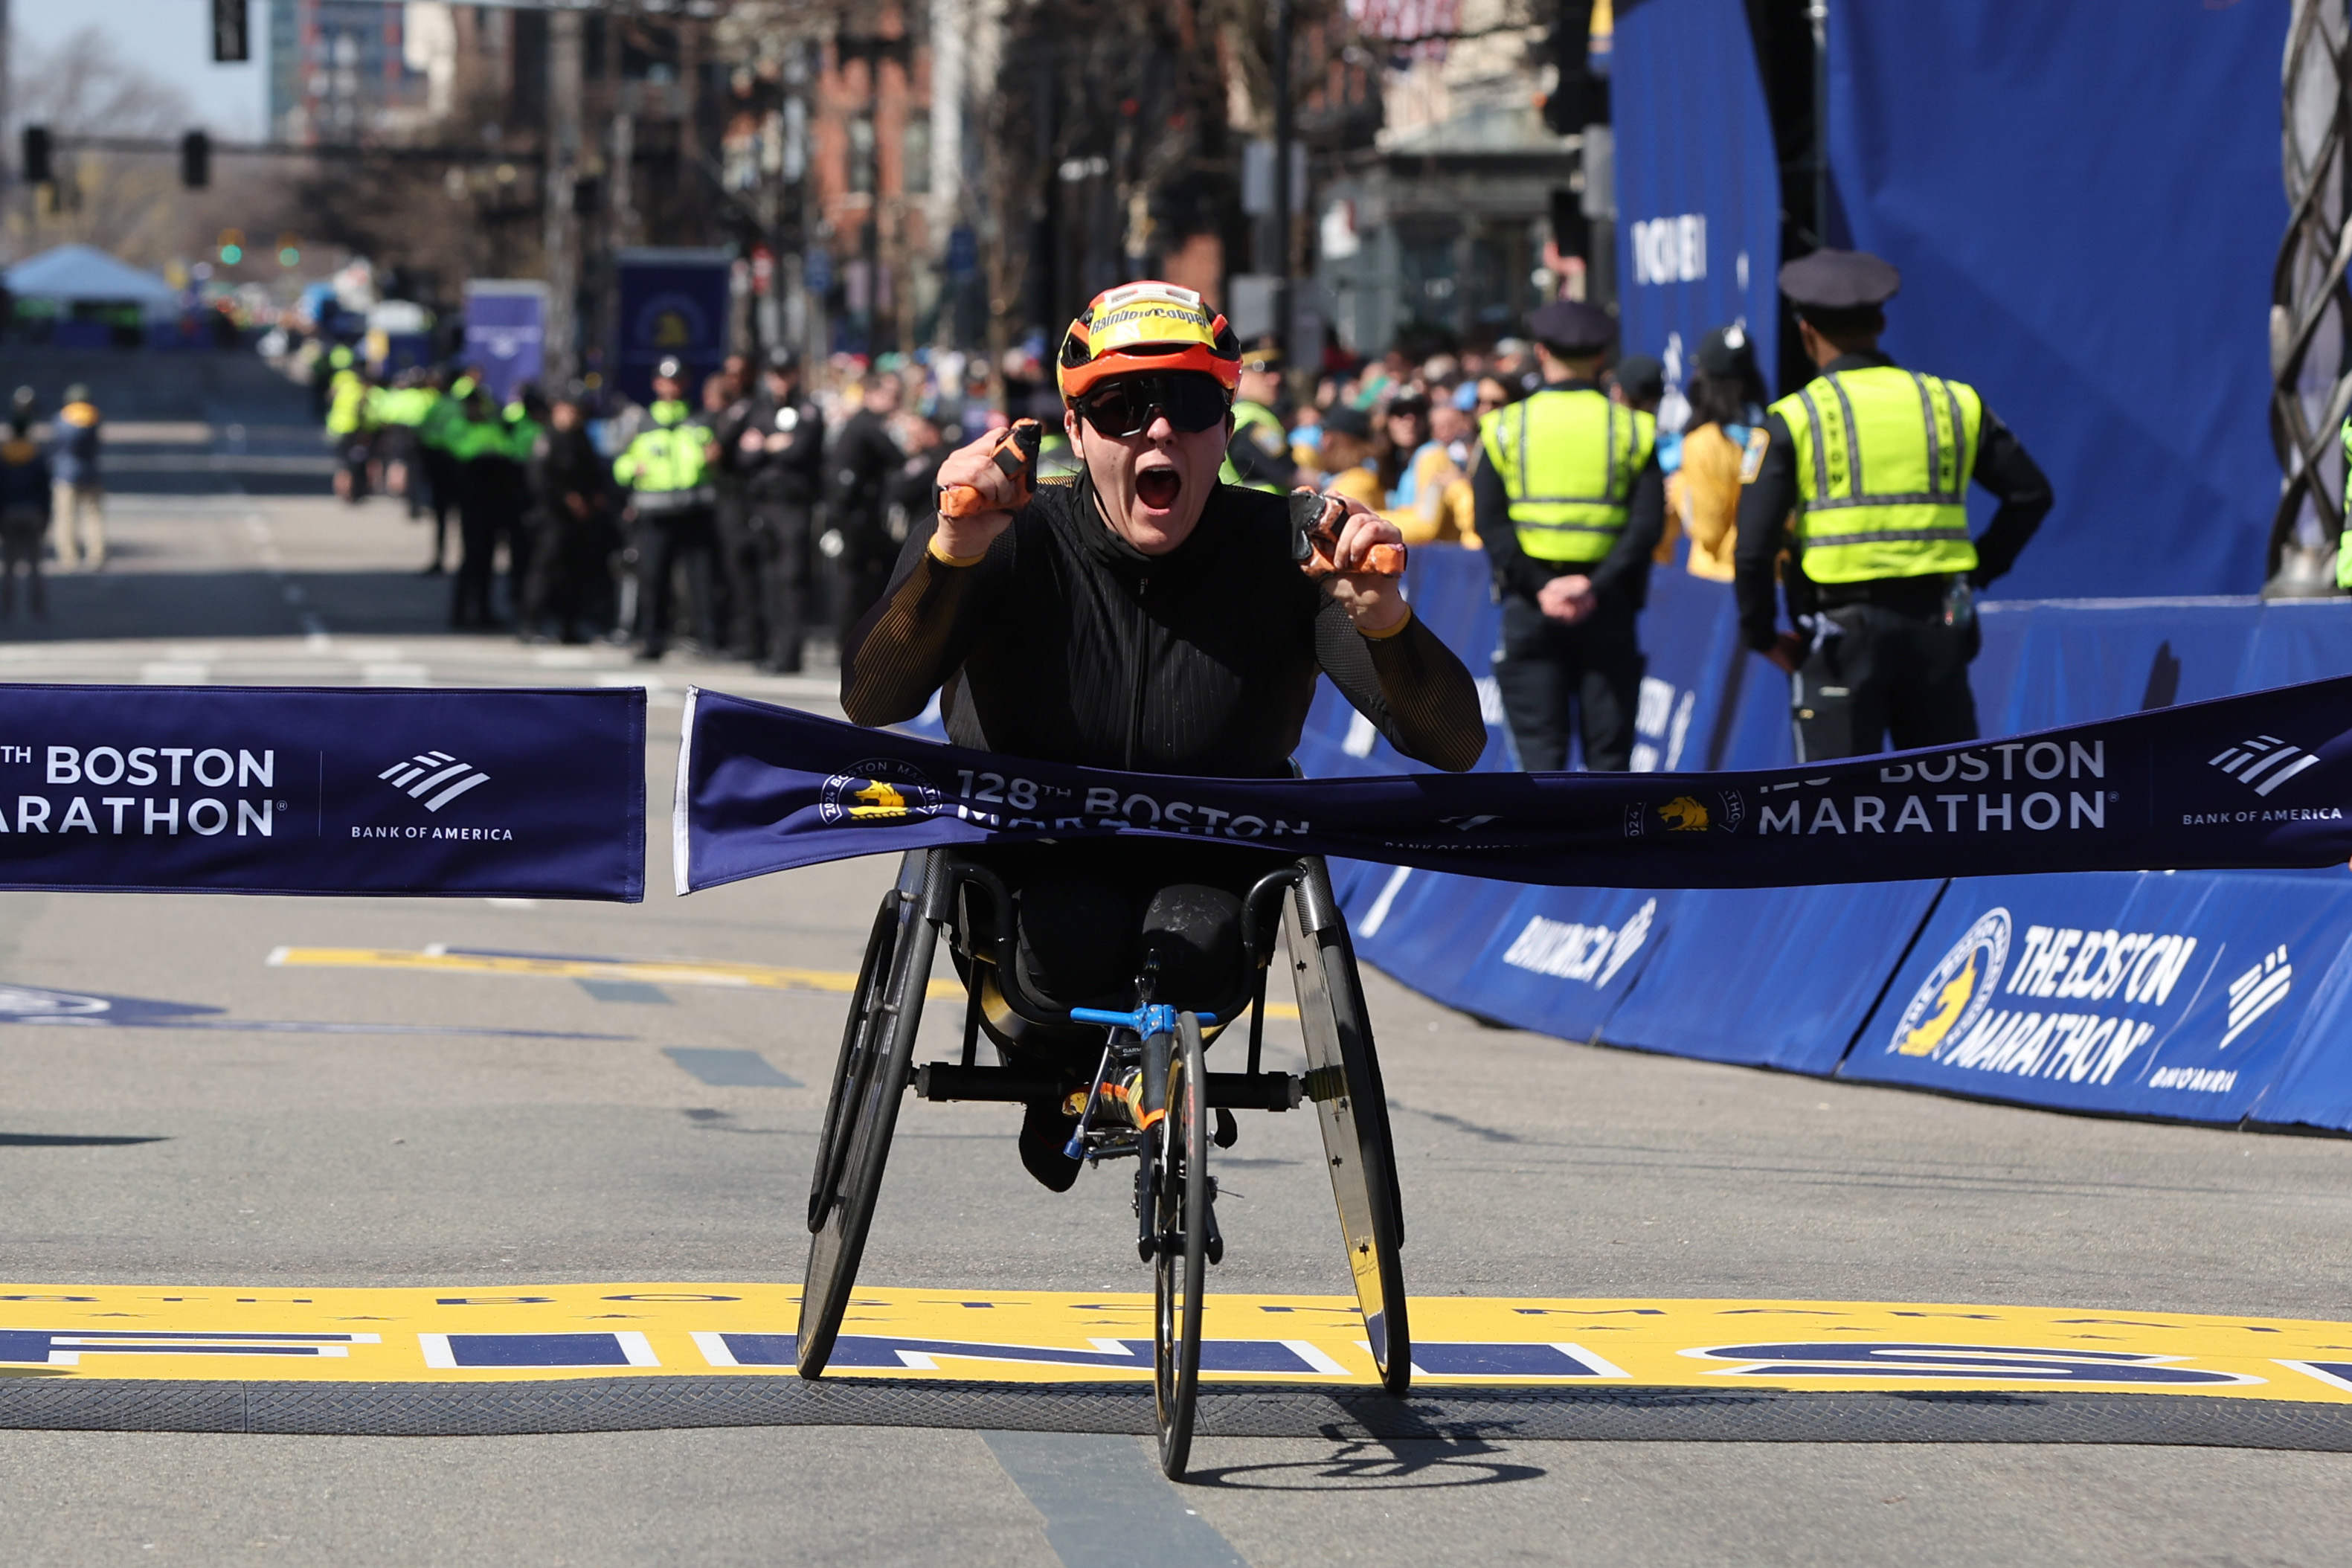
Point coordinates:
pixel 1127 406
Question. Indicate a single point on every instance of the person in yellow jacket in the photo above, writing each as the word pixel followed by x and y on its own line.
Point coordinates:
pixel 400 411
pixel 1257 453
pixel 1727 402
pixel 1863 474
pixel 351 425
pixel 665 471
pixel 1570 506
pixel 79 513
pixel 1430 502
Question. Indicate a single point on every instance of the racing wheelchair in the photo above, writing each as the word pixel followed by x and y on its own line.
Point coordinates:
pixel 1149 1096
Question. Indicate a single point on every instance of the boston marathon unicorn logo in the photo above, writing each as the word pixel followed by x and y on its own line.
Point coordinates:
pixel 1956 990
pixel 877 791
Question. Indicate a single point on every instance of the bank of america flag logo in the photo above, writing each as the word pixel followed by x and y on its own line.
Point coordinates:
pixel 428 771
pixel 2257 991
pixel 2249 761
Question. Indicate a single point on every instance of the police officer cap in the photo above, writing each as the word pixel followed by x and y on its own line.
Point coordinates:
pixel 1839 280
pixel 1726 352
pixel 671 368
pixel 1262 355
pixel 1642 377
pixel 784 360
pixel 1572 327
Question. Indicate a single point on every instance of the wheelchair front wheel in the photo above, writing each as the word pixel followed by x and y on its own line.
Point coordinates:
pixel 1180 1193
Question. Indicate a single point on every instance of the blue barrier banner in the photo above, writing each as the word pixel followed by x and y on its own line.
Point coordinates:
pixel 1429 925
pixel 2239 781
pixel 269 790
pixel 2155 994
pixel 1770 976
pixel 1698 182
pixel 1562 959
pixel 1976 143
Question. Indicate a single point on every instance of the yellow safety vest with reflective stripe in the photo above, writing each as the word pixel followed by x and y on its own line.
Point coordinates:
pixel 667 457
pixel 1567 457
pixel 2343 541
pixel 1249 416
pixel 1883 457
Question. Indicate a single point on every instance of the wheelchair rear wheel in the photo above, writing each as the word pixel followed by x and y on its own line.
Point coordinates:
pixel 1343 1078
pixel 870 1081
pixel 1181 1221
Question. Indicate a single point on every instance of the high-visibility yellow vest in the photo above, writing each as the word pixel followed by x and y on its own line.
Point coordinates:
pixel 1567 457
pixel 668 457
pixel 2343 541
pixel 347 404
pixel 1883 457
pixel 1249 416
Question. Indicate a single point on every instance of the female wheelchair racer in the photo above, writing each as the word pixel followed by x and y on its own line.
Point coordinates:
pixel 1147 619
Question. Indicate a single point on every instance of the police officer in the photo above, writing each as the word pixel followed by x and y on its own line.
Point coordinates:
pixel 569 489
pixel 1862 475
pixel 664 469
pixel 858 536
pixel 1257 453
pixel 490 499
pixel 1570 505
pixel 781 449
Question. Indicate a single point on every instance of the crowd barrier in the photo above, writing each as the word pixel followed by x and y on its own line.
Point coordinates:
pixel 2217 998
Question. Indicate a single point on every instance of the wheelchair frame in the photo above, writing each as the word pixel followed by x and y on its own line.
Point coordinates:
pixel 933 893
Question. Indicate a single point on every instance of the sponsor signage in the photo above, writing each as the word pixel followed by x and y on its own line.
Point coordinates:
pixel 764 788
pixel 672 303
pixel 506 330
pixel 254 790
pixel 2180 995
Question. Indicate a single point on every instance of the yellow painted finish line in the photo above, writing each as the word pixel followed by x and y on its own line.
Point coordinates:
pixel 490 1333
pixel 439 959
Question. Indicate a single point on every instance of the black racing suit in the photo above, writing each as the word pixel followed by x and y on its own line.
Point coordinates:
pixel 1066 644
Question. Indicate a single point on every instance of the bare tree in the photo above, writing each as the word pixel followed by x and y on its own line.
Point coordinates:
pixel 131 204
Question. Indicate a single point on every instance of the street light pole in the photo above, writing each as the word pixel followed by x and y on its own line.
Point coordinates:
pixel 1282 192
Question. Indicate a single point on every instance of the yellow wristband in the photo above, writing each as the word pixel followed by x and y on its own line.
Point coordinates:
pixel 931 548
pixel 1384 637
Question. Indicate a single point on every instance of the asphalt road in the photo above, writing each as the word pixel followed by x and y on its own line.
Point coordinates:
pixel 1530 1166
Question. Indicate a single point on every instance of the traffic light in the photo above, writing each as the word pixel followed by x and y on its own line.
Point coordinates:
pixel 289 249
pixel 1579 98
pixel 195 160
pixel 37 156
pixel 231 246
pixel 232 42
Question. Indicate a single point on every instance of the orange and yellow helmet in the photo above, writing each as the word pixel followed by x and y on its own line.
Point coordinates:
pixel 1147 326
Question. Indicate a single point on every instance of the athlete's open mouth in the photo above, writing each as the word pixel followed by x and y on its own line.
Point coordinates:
pixel 1157 488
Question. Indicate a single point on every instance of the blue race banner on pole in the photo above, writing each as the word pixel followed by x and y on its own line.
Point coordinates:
pixel 2252 781
pixel 1974 143
pixel 1699 183
pixel 2149 994
pixel 532 794
pixel 505 332
pixel 672 301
